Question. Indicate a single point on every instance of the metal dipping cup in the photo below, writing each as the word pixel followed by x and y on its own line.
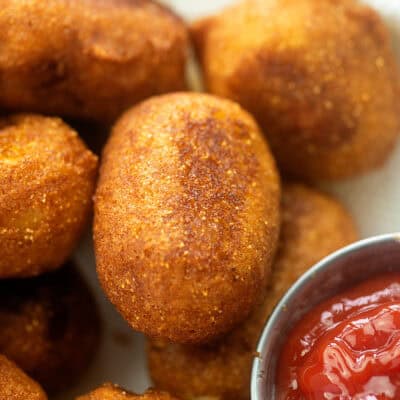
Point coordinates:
pixel 335 273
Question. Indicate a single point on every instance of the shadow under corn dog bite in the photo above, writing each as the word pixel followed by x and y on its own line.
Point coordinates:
pixel 49 326
pixel 15 385
pixel 313 226
pixel 47 179
pixel 319 76
pixel 88 59
pixel 113 392
pixel 186 216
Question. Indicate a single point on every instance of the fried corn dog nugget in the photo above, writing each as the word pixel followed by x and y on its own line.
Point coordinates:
pixel 186 216
pixel 113 392
pixel 49 326
pixel 88 59
pixel 47 179
pixel 319 76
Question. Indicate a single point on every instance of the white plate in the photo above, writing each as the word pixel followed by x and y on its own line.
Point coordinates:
pixel 373 199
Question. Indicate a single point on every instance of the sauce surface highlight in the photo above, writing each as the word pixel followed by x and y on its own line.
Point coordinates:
pixel 347 347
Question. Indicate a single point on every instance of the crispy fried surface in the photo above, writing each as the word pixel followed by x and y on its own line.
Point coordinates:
pixel 47 178
pixel 15 385
pixel 112 392
pixel 186 216
pixel 313 225
pixel 49 326
pixel 320 77
pixel 88 59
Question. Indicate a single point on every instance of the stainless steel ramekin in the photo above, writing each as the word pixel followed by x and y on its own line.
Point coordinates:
pixel 344 268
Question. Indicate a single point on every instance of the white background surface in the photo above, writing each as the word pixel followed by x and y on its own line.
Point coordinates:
pixel 374 201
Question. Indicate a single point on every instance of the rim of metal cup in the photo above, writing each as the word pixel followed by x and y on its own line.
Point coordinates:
pixel 260 374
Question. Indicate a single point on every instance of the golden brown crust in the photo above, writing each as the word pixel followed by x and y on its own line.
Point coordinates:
pixel 88 59
pixel 49 326
pixel 47 177
pixel 320 77
pixel 186 216
pixel 15 385
pixel 112 392
pixel 313 225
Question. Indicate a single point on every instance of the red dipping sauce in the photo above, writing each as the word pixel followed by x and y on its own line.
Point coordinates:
pixel 346 348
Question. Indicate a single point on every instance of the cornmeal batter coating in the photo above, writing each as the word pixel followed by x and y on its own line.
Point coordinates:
pixel 47 179
pixel 319 76
pixel 313 226
pixel 49 326
pixel 186 216
pixel 15 385
pixel 113 392
pixel 88 59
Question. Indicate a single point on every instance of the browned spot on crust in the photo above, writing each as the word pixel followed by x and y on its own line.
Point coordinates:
pixel 213 189
pixel 303 113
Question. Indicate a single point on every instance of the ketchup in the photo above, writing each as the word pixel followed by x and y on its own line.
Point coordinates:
pixel 346 348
